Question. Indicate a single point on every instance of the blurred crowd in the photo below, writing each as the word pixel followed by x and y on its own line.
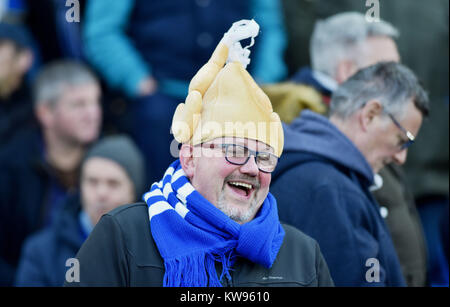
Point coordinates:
pixel 86 109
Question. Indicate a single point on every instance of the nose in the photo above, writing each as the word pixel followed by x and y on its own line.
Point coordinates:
pixel 250 167
pixel 400 157
pixel 102 192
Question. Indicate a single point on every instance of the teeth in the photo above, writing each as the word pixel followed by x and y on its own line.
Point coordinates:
pixel 245 185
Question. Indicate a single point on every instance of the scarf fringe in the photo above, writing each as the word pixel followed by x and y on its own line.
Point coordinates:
pixel 198 269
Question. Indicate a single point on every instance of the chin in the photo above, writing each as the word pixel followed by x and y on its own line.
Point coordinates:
pixel 88 138
pixel 378 168
pixel 238 212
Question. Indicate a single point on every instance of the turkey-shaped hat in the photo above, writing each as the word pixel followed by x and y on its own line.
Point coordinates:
pixel 225 101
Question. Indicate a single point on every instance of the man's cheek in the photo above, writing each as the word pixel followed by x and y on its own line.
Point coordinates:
pixel 265 180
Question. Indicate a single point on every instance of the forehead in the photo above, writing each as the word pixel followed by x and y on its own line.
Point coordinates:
pixel 80 90
pixel 103 168
pixel 382 48
pixel 250 143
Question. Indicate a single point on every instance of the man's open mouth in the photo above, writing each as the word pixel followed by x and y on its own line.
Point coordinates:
pixel 241 188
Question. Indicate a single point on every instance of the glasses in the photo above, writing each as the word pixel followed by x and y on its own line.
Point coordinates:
pixel 239 155
pixel 409 135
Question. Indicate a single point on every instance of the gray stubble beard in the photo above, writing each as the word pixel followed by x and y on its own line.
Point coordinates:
pixel 235 213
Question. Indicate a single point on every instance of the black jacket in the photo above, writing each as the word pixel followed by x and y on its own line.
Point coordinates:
pixel 404 224
pixel 16 114
pixel 44 254
pixel 25 181
pixel 121 252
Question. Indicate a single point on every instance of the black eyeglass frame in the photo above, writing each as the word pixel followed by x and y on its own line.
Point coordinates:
pixel 409 135
pixel 250 153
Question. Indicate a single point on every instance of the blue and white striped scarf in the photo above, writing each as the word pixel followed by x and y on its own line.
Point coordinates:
pixel 192 234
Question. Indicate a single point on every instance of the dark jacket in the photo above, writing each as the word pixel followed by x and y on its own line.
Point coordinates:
pixel 25 182
pixel 305 76
pixel 154 29
pixel 330 179
pixel 404 224
pixel 16 112
pixel 121 252
pixel 171 40
pixel 44 255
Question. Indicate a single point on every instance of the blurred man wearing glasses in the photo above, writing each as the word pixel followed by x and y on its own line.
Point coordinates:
pixel 212 219
pixel 340 45
pixel 329 166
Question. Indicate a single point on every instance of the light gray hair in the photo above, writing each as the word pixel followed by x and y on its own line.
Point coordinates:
pixel 392 84
pixel 54 78
pixel 342 37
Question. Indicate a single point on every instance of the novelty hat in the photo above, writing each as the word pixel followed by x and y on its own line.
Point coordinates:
pixel 225 101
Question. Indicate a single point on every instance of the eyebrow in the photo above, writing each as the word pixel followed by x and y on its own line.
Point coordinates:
pixel 265 149
pixel 232 140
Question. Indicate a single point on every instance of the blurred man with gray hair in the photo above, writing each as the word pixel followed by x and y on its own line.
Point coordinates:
pixel 340 45
pixel 329 167
pixel 344 43
pixel 40 166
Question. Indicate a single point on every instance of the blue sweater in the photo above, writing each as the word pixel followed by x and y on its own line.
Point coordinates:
pixel 322 187
pixel 130 40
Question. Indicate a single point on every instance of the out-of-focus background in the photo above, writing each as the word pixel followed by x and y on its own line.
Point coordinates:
pixel 73 72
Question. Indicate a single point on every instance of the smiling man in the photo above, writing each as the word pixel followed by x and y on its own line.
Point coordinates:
pixel 239 187
pixel 211 220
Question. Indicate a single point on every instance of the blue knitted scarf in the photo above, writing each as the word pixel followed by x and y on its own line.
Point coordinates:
pixel 192 234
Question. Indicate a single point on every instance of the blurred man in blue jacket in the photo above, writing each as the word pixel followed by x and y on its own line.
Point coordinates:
pixel 322 183
pixel 112 174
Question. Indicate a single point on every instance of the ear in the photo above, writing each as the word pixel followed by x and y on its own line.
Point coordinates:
pixel 187 159
pixel 369 113
pixel 344 70
pixel 44 114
